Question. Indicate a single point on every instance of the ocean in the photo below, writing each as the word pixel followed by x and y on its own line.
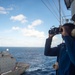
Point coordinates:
pixel 34 56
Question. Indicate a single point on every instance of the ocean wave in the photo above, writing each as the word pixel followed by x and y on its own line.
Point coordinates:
pixel 38 71
pixel 33 69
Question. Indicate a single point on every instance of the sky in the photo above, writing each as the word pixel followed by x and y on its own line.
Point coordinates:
pixel 25 23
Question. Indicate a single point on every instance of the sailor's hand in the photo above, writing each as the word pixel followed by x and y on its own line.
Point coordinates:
pixel 56 66
pixel 51 35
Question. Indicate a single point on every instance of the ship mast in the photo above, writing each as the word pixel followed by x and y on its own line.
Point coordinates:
pixel 59 11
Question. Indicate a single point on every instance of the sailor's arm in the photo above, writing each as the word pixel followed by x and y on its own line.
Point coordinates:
pixel 48 50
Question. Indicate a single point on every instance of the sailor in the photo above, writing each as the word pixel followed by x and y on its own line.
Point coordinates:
pixel 65 52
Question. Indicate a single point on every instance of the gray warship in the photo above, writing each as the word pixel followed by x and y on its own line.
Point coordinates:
pixel 9 65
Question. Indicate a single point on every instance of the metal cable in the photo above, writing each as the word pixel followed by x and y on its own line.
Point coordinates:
pixel 50 10
pixel 62 12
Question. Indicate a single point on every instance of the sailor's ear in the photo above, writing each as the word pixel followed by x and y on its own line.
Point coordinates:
pixel 73 33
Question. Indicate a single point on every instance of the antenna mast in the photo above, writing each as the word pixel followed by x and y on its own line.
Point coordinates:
pixel 59 11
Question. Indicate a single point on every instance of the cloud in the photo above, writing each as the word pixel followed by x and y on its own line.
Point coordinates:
pixel 29 35
pixel 19 17
pixel 15 28
pixel 33 33
pixel 5 10
pixel 30 32
pixel 35 23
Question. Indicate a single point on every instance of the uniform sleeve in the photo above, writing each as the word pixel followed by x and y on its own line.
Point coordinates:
pixel 50 51
pixel 70 45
